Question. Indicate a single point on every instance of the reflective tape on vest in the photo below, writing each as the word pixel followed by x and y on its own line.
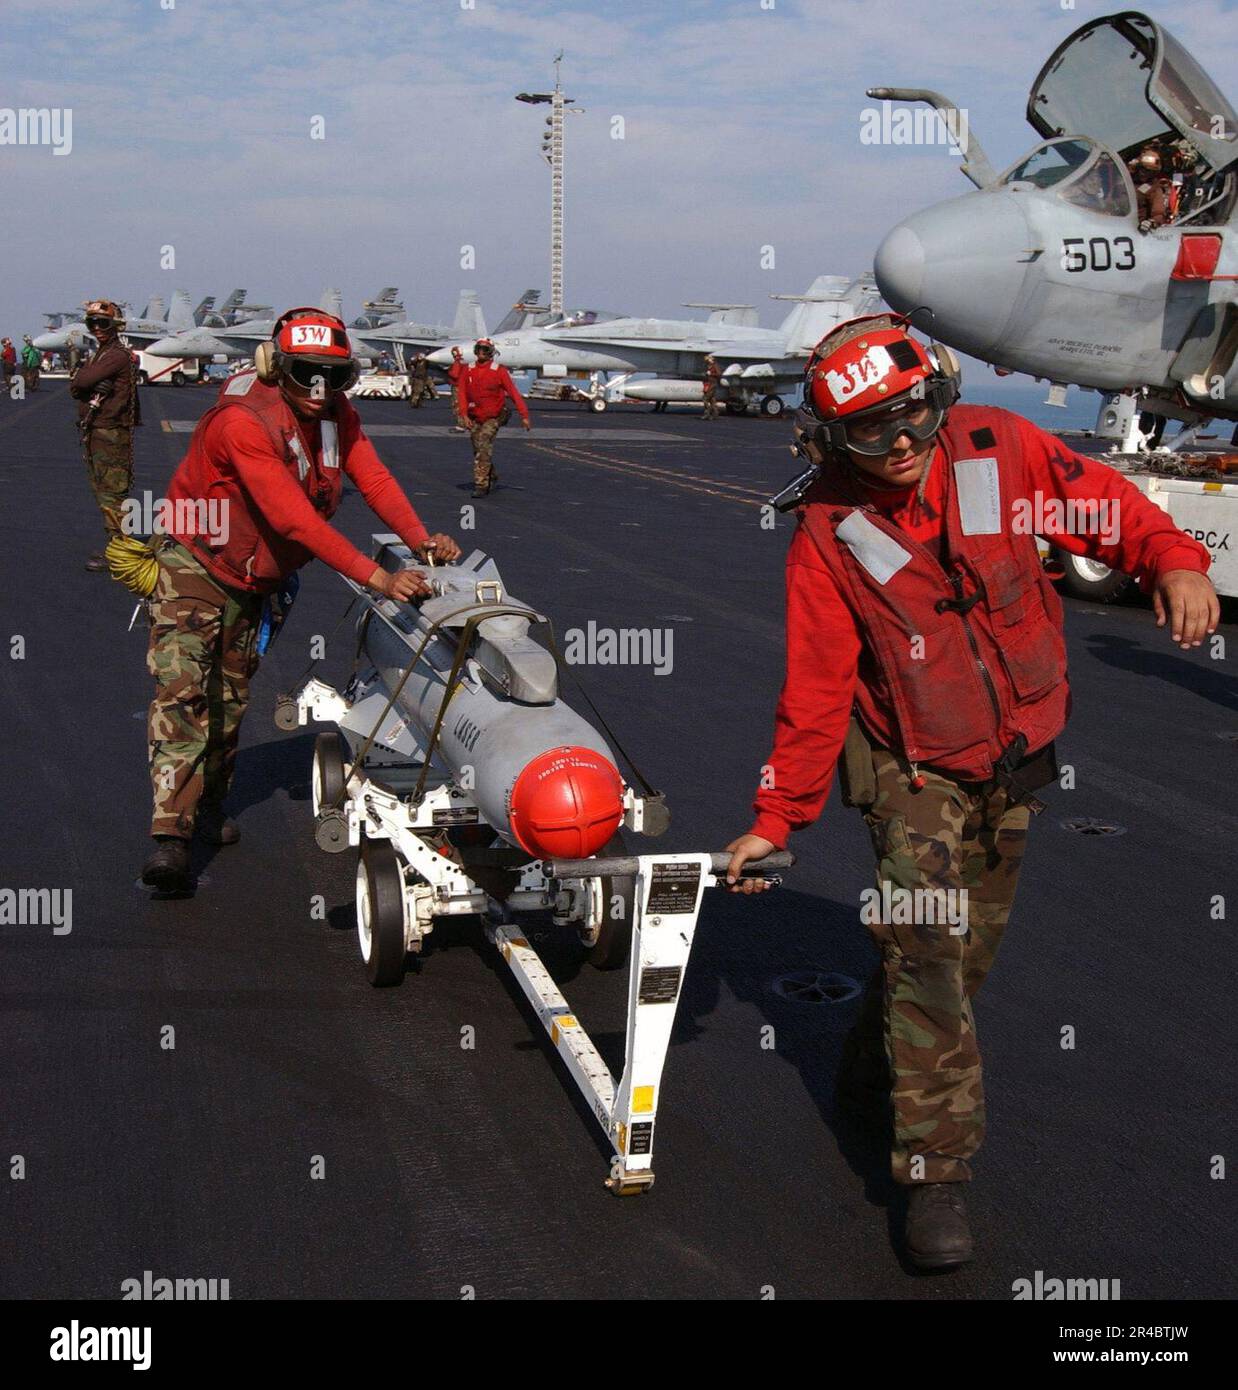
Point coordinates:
pixel 880 554
pixel 330 445
pixel 239 385
pixel 980 496
pixel 302 458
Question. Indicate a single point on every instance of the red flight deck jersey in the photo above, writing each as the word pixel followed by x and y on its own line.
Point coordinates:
pixel 828 648
pixel 483 388
pixel 280 484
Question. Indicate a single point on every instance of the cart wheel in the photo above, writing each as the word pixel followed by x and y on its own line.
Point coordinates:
pixel 380 912
pixel 610 950
pixel 598 404
pixel 772 406
pixel 1089 579
pixel 330 752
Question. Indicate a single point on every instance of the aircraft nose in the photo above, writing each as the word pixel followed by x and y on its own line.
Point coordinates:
pixel 164 347
pixel 899 267
pixel 965 260
pixel 440 357
pixel 48 342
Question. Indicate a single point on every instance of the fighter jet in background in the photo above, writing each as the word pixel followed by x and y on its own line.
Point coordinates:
pixel 527 312
pixel 758 364
pixel 139 330
pixel 399 338
pixel 1060 267
pixel 382 309
pixel 227 341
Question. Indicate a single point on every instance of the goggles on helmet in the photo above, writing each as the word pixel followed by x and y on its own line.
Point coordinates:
pixel 310 375
pixel 874 432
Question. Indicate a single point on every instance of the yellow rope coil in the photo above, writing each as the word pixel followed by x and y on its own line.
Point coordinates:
pixel 133 563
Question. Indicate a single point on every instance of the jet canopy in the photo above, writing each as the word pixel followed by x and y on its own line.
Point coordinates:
pixel 1126 82
pixel 1079 171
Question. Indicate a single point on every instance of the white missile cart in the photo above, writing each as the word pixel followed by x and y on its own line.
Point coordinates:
pixel 409 819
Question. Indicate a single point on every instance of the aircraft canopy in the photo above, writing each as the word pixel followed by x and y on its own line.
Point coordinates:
pixel 1124 80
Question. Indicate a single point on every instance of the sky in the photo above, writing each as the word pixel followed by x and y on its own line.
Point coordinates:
pixel 741 124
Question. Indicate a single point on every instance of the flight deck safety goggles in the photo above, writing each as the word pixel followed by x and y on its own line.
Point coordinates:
pixel 311 375
pixel 874 432
pixel 99 324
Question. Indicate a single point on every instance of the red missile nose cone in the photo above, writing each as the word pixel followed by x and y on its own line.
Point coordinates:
pixel 566 803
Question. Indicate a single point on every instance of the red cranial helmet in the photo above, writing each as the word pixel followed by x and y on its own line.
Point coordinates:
pixel 312 333
pixel 870 371
pixel 309 352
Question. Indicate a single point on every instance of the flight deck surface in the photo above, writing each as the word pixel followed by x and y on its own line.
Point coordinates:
pixel 447 1166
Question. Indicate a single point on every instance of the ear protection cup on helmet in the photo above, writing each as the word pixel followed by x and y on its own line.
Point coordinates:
pixel 265 365
pixel 947 364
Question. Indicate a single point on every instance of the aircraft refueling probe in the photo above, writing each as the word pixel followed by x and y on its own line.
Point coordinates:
pixel 476 790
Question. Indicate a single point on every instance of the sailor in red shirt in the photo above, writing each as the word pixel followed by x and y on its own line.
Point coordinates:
pixel 484 390
pixel 454 373
pixel 248 506
pixel 924 650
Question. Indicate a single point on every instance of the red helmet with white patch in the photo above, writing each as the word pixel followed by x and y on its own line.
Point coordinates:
pixel 309 352
pixel 850 372
pixel 312 332
pixel 870 372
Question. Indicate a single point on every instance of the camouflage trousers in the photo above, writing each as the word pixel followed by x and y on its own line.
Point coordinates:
pixel 109 466
pixel 419 391
pixel 916 1034
pixel 710 399
pixel 203 651
pixel 455 405
pixel 482 433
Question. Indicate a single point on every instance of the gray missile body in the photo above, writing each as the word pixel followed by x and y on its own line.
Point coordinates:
pixel 541 775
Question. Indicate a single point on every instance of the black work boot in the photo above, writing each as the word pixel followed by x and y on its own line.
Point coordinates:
pixel 214 825
pixel 96 562
pixel 167 869
pixel 938 1236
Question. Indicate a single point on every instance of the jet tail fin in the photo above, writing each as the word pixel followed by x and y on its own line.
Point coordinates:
pixel 830 300
pixel 332 302
pixel 181 312
pixel 519 315
pixel 469 321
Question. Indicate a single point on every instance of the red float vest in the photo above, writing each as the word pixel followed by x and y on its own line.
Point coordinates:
pixel 959 658
pixel 255 557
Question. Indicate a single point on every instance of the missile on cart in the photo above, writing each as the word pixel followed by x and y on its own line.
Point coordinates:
pixel 661 389
pixel 466 679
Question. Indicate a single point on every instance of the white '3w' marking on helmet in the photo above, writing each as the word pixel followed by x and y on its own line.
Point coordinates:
pixel 310 335
pixel 873 367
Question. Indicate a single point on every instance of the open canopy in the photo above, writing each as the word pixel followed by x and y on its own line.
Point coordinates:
pixel 1125 81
